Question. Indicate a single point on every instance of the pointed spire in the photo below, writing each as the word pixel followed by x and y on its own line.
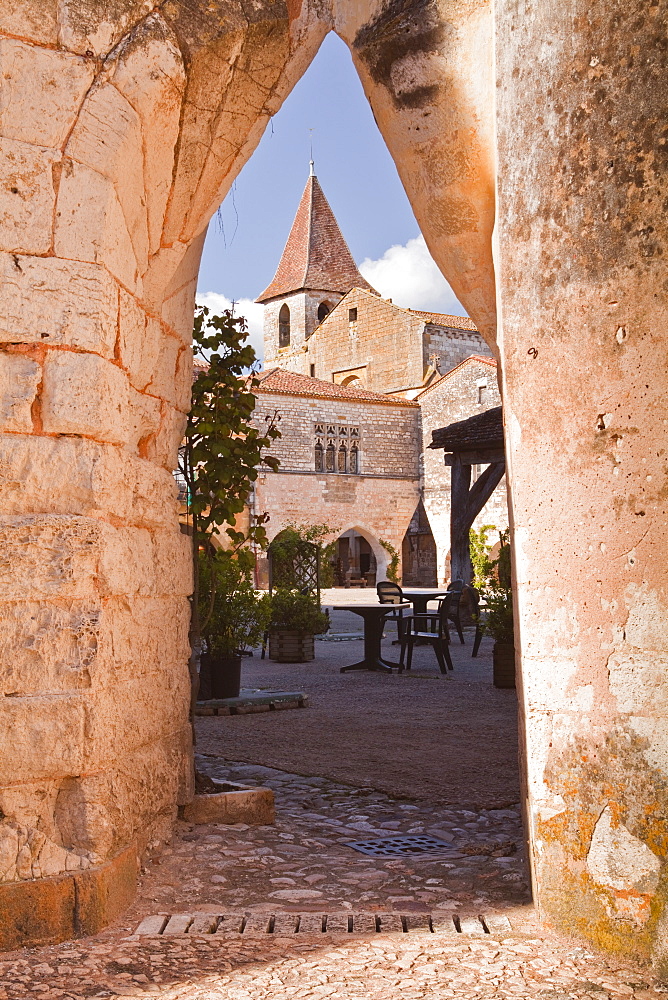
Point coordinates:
pixel 316 255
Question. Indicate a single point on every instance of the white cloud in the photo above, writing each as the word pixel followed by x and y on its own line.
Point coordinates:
pixel 252 311
pixel 408 275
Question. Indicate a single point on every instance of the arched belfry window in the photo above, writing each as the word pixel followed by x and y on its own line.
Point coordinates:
pixel 284 326
pixel 324 309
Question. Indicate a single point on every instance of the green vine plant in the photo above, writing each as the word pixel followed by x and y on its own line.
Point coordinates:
pixel 393 565
pixel 294 537
pixel 220 459
pixel 480 548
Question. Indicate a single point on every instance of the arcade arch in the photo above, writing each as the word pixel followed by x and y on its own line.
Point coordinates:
pixel 111 181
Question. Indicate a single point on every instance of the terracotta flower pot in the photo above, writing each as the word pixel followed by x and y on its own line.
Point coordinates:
pixel 504 664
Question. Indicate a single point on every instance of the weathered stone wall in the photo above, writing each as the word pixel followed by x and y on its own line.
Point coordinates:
pixel 453 398
pixel 303 321
pixel 379 502
pixel 582 277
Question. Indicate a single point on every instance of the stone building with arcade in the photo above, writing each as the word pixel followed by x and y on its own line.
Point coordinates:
pixel 360 384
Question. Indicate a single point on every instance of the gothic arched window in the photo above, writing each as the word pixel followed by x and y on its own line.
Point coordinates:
pixel 324 310
pixel 284 326
pixel 343 455
pixel 319 458
pixel 330 457
pixel 353 465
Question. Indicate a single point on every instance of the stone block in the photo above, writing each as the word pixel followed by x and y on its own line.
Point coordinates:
pixel 49 910
pixel 107 137
pixel 85 394
pixel 19 379
pixel 90 26
pixel 173 560
pixel 164 449
pixel 51 301
pixel 144 418
pixel 236 804
pixel 90 224
pixel 141 635
pixel 48 737
pixel 150 355
pixel 67 475
pixel 42 90
pixel 25 19
pixel 149 72
pixel 26 196
pixel 48 556
pixel 47 649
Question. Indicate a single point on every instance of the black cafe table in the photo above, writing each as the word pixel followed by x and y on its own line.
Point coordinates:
pixel 420 597
pixel 374 619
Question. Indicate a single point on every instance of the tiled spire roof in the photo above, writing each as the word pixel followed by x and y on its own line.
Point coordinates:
pixel 316 255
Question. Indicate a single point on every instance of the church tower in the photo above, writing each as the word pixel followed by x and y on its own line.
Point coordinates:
pixel 314 273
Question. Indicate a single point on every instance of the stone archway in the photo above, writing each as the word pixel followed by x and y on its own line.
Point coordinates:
pixel 122 132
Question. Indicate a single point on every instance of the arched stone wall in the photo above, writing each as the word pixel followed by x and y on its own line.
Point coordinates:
pixel 122 129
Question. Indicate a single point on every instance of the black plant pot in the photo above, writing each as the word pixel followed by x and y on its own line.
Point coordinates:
pixel 224 674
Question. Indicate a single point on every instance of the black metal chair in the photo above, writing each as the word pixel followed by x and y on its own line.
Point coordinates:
pixel 391 593
pixel 450 603
pixel 478 614
pixel 456 585
pixel 429 628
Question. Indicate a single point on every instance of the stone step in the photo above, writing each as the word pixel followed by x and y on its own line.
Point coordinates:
pixel 314 923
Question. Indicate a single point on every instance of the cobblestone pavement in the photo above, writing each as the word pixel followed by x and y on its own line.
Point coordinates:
pixel 303 865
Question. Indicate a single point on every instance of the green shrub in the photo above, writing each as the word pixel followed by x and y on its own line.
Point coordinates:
pixel 297 612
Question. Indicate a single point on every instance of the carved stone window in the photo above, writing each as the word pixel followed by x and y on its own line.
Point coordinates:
pixel 330 458
pixel 336 448
pixel 319 457
pixel 353 464
pixel 342 464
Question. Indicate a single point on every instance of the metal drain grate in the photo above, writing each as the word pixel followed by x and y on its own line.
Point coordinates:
pixel 400 847
pixel 226 925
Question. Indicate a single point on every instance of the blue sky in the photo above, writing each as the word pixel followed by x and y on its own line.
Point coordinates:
pixel 358 176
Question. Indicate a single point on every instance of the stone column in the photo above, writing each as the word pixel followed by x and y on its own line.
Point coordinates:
pixel 94 571
pixel 581 269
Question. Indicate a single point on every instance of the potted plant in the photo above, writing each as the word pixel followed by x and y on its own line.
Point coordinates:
pixel 499 624
pixel 295 619
pixel 233 617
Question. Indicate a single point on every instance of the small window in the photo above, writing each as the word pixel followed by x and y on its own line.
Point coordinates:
pixel 312 370
pixel 481 386
pixel 319 458
pixel 324 310
pixel 284 326
pixel 342 462
pixel 330 458
pixel 353 465
pixel 352 315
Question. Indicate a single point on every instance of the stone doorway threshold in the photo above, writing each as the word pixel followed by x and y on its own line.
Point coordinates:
pixel 224 925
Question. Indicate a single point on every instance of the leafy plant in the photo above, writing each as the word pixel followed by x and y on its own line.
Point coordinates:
pixel 393 565
pixel 297 612
pixel 296 541
pixel 238 616
pixel 221 455
pixel 483 566
pixel 499 614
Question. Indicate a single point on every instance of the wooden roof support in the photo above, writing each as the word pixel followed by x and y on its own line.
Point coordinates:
pixel 467 501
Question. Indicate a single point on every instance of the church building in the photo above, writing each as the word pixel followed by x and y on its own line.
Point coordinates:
pixel 359 383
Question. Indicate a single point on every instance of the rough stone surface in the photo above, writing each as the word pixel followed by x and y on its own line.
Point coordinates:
pixel 19 379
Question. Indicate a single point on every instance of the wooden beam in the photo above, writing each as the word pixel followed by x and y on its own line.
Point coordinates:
pixel 479 456
pixel 466 503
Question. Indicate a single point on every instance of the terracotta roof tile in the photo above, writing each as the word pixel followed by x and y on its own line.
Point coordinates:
pixel 444 319
pixel 316 256
pixel 279 380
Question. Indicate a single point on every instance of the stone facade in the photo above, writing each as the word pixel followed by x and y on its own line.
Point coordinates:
pixel 469 388
pixel 378 501
pixel 123 127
